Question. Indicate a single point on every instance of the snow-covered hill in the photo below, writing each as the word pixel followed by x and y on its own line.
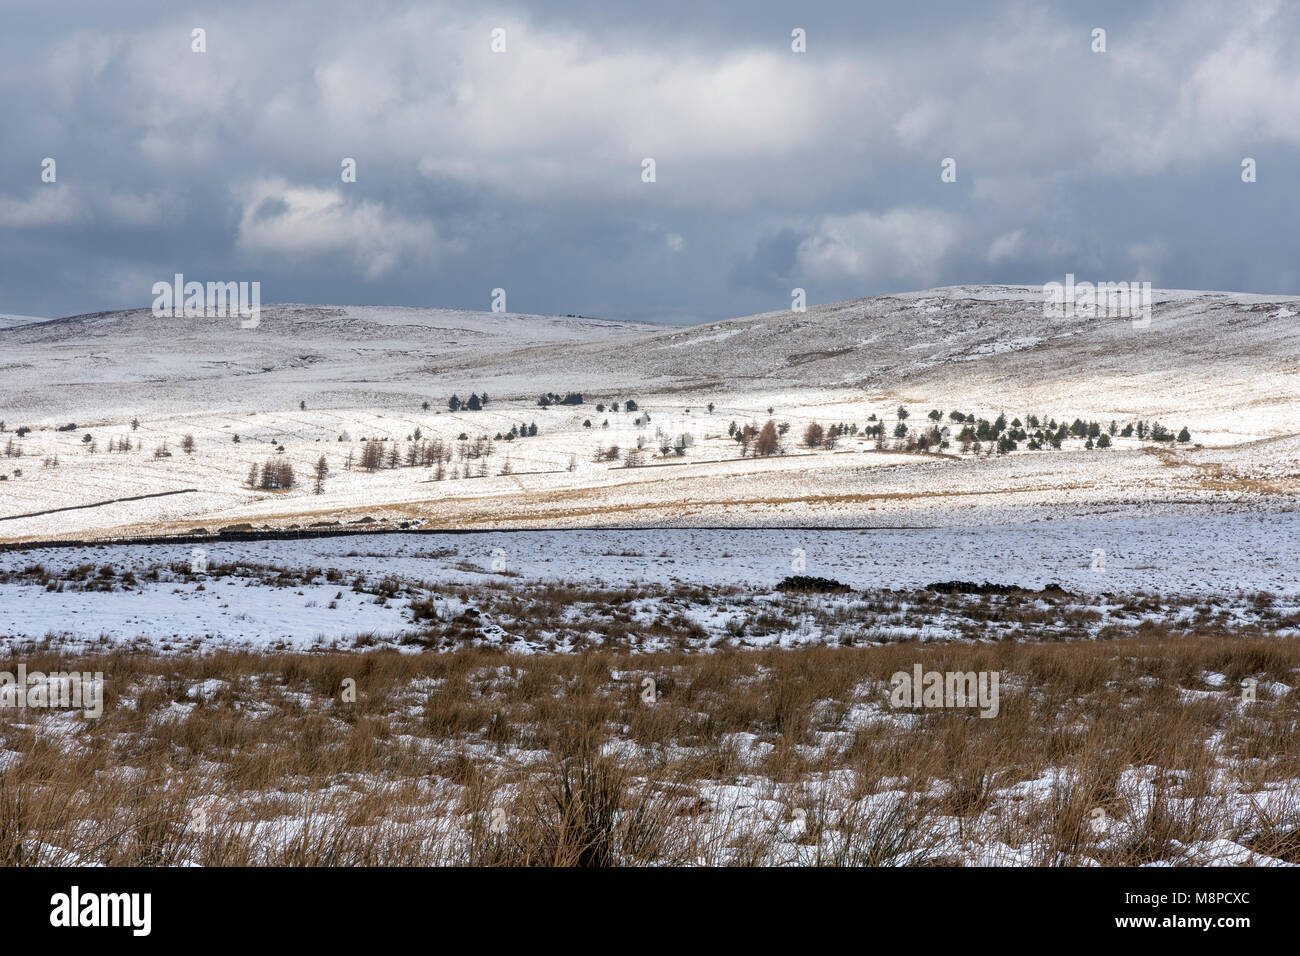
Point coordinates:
pixel 313 381
pixel 114 363
pixel 1203 352
pixel 9 320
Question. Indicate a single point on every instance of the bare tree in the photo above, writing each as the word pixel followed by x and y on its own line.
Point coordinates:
pixel 322 470
pixel 277 475
pixel 372 456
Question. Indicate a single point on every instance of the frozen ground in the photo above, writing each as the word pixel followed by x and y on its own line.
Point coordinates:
pixel 59 486
pixel 1228 557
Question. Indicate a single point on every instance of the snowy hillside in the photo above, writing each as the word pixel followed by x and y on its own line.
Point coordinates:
pixel 133 425
pixel 117 362
pixel 9 321
pixel 1202 351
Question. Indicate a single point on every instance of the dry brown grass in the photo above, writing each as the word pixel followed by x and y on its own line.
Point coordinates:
pixel 485 758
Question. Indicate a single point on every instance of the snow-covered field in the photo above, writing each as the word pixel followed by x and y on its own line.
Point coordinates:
pixel 136 427
pixel 60 486
pixel 1187 557
pixel 317 380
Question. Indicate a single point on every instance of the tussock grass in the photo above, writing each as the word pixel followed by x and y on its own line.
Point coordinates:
pixel 480 757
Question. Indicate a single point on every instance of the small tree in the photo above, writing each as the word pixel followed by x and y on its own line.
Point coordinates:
pixel 321 470
pixel 769 442
pixel 187 444
pixel 1184 435
pixel 812 435
pixel 277 475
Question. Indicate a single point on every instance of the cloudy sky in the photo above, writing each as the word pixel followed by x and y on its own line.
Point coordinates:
pixel 523 169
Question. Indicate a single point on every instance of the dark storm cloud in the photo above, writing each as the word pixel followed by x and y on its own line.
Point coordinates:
pixel 522 170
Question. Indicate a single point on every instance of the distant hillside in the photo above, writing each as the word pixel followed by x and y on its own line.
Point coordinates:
pixel 9 321
pixel 133 361
pixel 1217 353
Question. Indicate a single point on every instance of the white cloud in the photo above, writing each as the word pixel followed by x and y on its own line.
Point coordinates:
pixel 50 205
pixel 1020 245
pixel 302 222
pixel 568 112
pixel 1006 247
pixel 909 244
pixel 55 204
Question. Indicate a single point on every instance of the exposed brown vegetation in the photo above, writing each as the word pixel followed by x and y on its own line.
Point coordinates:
pixel 601 758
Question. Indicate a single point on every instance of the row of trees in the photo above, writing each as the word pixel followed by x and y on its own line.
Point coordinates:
pixel 474 403
pixel 477 402
pixel 277 474
pixel 70 427
pixel 551 398
pixel 985 430
pixel 434 453
pixel 119 444
pixel 981 435
pixel 519 431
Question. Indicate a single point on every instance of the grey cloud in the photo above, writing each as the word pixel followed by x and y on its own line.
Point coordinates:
pixel 522 170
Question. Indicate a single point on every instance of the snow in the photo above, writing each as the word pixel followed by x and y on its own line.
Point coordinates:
pixel 1221 363
pixel 1230 555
